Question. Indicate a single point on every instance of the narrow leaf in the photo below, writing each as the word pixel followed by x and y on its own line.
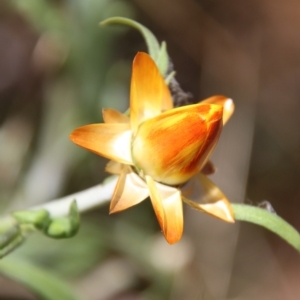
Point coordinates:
pixel 150 39
pixel 38 218
pixel 41 282
pixel 159 54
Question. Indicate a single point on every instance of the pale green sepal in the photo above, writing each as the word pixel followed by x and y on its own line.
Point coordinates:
pixel 39 218
pixel 65 227
pixel 269 220
pixel 159 54
pixel 45 285
pixel 162 61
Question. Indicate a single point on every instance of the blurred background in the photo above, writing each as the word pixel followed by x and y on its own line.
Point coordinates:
pixel 58 68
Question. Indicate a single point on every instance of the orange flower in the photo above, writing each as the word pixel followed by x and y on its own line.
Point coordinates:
pixel 160 150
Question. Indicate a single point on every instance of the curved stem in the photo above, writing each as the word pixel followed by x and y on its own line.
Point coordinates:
pixel 270 221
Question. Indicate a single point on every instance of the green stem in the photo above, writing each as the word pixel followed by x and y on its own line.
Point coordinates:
pixel 270 221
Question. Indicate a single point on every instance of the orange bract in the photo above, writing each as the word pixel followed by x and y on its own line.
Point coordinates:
pixel 181 139
pixel 149 94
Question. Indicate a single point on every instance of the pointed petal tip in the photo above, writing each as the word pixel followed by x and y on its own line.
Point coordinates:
pixel 109 140
pixel 129 191
pixel 113 116
pixel 71 136
pixel 173 239
pixel 112 210
pixel 214 202
pixel 74 136
pixel 167 206
pixel 141 54
pixel 221 210
pixel 226 102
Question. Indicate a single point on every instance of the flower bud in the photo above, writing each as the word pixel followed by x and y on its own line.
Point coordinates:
pixel 176 144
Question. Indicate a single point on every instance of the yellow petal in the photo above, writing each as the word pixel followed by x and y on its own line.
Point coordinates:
pixel 114 116
pixel 130 190
pixel 227 103
pixel 213 201
pixel 167 205
pixel 112 141
pixel 148 91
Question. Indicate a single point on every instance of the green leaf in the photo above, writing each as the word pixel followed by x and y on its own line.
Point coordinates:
pixel 65 227
pixel 159 54
pixel 39 218
pixel 150 39
pixel 270 221
pixel 44 284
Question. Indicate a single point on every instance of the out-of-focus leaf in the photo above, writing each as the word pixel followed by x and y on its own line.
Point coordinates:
pixel 9 230
pixel 15 243
pixel 41 282
pixel 10 236
pixel 42 13
pixel 65 256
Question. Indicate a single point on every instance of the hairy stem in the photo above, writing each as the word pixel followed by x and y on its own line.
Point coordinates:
pixel 86 199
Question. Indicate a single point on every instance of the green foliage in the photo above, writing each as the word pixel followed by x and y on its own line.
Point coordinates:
pixel 11 235
pixel 156 51
pixel 70 258
pixel 65 227
pixel 13 230
pixel 38 218
pixel 44 284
